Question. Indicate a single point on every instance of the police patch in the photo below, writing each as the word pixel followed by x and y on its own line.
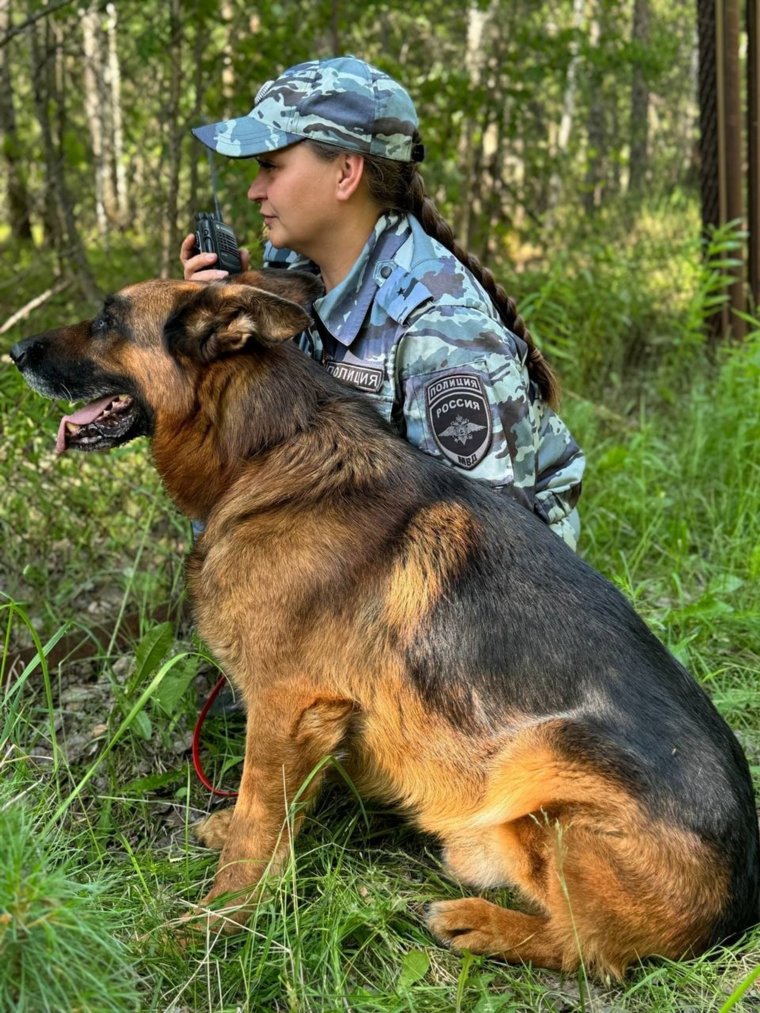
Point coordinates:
pixel 359 374
pixel 460 417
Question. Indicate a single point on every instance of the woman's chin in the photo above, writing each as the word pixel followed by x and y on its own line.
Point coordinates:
pixel 274 236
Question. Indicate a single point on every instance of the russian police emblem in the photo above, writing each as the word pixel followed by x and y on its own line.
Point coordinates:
pixel 460 417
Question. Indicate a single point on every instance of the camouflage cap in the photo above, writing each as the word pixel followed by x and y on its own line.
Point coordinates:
pixel 342 101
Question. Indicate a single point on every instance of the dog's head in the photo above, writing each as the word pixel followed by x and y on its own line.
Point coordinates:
pixel 149 346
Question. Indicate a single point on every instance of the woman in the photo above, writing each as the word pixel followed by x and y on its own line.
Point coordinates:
pixel 408 317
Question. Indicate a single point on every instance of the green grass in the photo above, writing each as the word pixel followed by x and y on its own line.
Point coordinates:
pixel 61 941
pixel 97 799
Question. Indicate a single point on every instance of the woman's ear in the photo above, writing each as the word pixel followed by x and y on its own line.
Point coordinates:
pixel 351 174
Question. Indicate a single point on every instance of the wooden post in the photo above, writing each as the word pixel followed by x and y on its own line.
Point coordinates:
pixel 730 160
pixel 753 149
pixel 722 165
pixel 708 135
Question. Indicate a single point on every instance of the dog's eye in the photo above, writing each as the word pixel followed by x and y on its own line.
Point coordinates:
pixel 101 325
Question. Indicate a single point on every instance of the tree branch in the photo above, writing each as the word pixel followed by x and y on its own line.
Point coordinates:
pixel 18 29
pixel 33 304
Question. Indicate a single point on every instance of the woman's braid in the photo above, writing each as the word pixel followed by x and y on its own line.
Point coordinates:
pixel 398 186
pixel 436 226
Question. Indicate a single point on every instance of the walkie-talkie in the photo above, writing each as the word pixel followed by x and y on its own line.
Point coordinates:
pixel 213 236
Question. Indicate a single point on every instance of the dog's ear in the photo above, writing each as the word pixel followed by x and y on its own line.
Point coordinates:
pixel 221 319
pixel 298 286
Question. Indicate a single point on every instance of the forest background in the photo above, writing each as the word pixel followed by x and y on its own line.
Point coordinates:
pixel 563 145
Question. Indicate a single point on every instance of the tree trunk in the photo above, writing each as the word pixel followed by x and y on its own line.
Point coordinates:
pixel 17 196
pixel 568 101
pixel 596 132
pixel 196 115
pixel 95 106
pixel 42 82
pixel 473 59
pixel 493 148
pixel 753 151
pixel 568 108
pixel 337 46
pixel 227 13
pixel 60 222
pixel 639 98
pixel 118 203
pixel 173 141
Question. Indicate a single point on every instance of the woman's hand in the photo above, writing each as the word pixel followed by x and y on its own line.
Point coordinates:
pixel 200 266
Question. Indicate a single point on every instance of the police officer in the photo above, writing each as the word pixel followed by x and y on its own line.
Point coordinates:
pixel 408 317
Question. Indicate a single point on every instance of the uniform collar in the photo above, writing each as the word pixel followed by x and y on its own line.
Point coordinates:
pixel 343 310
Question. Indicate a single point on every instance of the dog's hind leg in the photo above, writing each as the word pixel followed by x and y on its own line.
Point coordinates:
pixel 605 890
pixel 289 732
pixel 606 883
pixel 481 927
pixel 509 854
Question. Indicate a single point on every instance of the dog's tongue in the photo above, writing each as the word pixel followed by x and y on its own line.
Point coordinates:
pixel 81 417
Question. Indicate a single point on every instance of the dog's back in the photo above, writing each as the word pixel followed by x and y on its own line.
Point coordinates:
pixel 530 625
pixel 589 724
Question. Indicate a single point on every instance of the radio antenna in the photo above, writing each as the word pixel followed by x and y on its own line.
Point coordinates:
pixel 212 173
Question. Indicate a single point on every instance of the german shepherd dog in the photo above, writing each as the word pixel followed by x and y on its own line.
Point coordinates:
pixel 367 600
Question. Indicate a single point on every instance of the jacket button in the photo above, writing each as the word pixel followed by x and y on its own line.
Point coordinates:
pixel 386 271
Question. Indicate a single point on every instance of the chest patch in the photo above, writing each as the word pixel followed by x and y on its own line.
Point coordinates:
pixel 358 374
pixel 459 417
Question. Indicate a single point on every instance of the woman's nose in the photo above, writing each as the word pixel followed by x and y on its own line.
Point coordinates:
pixel 256 191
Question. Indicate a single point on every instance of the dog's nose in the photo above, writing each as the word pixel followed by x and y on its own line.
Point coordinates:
pixel 22 351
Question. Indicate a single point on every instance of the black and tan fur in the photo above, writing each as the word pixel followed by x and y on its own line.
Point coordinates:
pixel 478 675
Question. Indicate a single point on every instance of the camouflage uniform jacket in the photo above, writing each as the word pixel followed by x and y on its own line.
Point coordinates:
pixel 413 330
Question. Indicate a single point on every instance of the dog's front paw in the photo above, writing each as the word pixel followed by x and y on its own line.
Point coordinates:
pixel 212 916
pixel 214 830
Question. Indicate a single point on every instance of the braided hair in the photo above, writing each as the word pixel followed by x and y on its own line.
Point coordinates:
pixel 399 186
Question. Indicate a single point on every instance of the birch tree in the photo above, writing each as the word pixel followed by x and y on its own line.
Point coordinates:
pixel 95 108
pixel 569 101
pixel 474 59
pixel 173 138
pixel 47 74
pixel 17 197
pixel 639 131
pixel 117 207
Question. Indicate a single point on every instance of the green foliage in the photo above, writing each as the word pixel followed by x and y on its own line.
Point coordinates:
pixel 538 65
pixel 60 945
pixel 100 678
pixel 671 512
pixel 625 309
pixel 675 499
pixel 149 654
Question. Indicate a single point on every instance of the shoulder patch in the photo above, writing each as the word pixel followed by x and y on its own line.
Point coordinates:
pixel 460 417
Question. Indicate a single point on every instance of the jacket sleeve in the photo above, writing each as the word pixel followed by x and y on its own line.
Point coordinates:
pixel 468 400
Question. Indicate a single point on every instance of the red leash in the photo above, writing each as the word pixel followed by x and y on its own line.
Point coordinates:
pixel 197 742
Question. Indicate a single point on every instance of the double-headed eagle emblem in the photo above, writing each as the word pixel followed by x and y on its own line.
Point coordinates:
pixel 461 429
